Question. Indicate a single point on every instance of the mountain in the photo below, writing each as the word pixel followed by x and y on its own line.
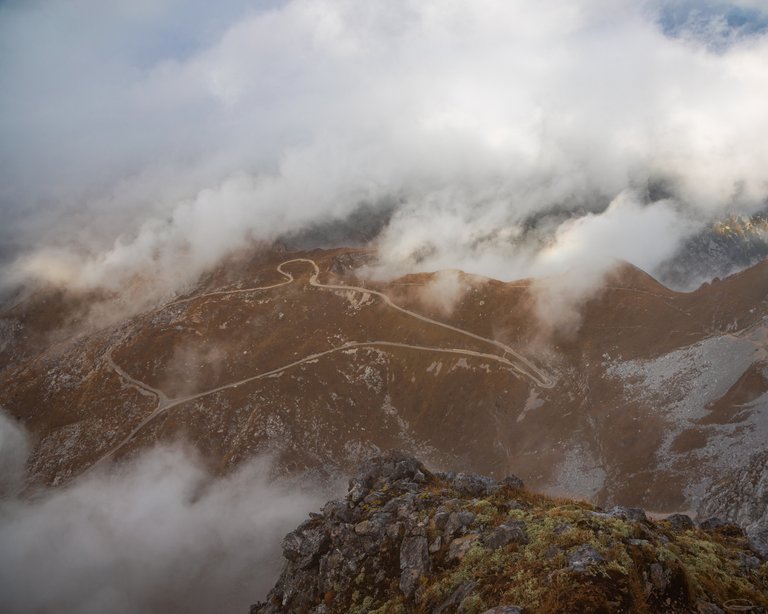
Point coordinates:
pixel 405 539
pixel 729 245
pixel 657 399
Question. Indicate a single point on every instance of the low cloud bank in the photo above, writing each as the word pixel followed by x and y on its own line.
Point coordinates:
pixel 499 137
pixel 180 132
pixel 158 534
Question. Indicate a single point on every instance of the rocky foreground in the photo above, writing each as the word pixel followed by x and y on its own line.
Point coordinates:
pixel 408 540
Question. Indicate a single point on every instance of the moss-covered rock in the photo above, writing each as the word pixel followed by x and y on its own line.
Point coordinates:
pixel 409 540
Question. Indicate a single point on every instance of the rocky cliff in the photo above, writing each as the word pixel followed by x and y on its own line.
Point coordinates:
pixel 408 540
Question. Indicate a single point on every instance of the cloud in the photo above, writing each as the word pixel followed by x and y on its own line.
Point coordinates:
pixel 444 291
pixel 585 249
pixel 156 534
pixel 138 145
pixel 14 450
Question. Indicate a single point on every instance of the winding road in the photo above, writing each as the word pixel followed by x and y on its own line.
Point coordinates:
pixel 518 363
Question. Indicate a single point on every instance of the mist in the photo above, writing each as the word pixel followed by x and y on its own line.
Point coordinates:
pixel 151 139
pixel 156 534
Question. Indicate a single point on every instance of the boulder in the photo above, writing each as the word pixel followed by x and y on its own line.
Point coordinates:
pixel 584 557
pixel 507 533
pixel 414 563
pixel 472 485
pixel 680 522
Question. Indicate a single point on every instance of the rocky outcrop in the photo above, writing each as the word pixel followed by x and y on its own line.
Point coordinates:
pixel 409 540
pixel 742 498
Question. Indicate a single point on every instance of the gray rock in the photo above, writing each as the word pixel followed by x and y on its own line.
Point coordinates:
pixel 680 522
pixel 633 514
pixel 583 558
pixel 749 562
pixel 395 531
pixel 357 491
pixel 658 577
pixel 505 609
pixel 459 547
pixel 712 523
pixel 305 545
pixel 507 533
pixel 414 563
pixel 757 537
pixel 441 519
pixel 472 485
pixel 458 521
pixel 513 482
pixel 337 509
pixel 436 544
pixel 391 468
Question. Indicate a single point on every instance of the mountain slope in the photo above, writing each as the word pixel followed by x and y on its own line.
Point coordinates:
pixel 655 399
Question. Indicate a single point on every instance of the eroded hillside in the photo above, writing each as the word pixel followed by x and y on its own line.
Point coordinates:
pixel 655 398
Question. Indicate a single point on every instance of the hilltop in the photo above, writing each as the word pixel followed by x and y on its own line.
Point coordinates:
pixel 405 539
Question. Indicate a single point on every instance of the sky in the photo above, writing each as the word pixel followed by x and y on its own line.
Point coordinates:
pixel 514 138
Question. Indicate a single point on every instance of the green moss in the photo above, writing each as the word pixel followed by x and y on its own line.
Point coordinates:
pixel 536 575
pixel 473 604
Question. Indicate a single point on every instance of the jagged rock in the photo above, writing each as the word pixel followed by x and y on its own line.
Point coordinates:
pixel 633 514
pixel 758 541
pixel 680 522
pixel 749 562
pixel 583 558
pixel 513 482
pixel 459 547
pixel 457 522
pixel 400 541
pixel 441 519
pixel 395 531
pixel 337 509
pixel 472 485
pixel 436 544
pixel 304 545
pixel 391 468
pixel 414 562
pixel 507 533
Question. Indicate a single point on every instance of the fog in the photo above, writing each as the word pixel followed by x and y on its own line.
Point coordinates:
pixel 157 534
pixel 151 139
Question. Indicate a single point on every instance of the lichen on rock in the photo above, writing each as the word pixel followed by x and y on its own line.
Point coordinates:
pixel 406 539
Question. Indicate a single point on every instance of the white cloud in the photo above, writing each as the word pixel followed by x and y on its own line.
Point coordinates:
pixel 476 115
pixel 153 535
